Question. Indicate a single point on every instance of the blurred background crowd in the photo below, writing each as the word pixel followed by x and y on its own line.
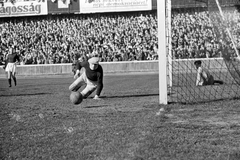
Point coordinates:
pixel 114 36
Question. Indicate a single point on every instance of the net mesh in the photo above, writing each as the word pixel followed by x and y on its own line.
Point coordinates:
pixel 209 33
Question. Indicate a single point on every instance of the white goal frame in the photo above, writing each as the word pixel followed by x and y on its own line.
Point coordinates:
pixel 164 9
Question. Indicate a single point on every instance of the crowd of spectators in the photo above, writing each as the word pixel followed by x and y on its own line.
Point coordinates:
pixel 205 34
pixel 60 39
pixel 112 37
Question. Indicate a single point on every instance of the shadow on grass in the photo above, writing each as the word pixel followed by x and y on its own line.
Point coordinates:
pixel 96 106
pixel 129 96
pixel 25 94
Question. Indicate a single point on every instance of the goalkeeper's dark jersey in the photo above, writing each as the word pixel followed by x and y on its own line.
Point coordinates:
pixel 93 75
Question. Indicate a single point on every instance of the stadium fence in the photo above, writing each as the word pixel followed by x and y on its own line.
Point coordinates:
pixel 114 67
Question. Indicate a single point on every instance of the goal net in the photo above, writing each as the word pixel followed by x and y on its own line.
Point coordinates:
pixel 205 30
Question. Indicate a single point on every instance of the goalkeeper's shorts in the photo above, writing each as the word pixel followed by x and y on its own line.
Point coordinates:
pixel 91 86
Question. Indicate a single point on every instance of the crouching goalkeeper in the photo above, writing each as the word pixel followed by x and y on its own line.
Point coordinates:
pixel 203 76
pixel 92 77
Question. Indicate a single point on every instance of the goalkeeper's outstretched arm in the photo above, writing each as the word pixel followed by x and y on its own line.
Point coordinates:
pixel 77 74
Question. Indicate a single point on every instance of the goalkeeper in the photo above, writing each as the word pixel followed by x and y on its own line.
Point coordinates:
pixel 203 76
pixel 92 76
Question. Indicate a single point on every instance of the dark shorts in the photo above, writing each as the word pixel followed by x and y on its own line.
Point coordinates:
pixel 209 81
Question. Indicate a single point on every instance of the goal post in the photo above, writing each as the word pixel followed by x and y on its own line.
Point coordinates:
pixel 204 30
pixel 162 51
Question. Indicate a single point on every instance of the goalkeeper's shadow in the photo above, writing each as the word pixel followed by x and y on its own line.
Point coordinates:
pixel 130 95
pixel 136 95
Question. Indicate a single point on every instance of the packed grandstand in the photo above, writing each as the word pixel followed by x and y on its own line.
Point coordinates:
pixel 118 36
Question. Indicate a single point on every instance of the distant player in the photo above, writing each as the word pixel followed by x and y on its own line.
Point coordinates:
pixel 11 65
pixel 203 76
pixel 92 76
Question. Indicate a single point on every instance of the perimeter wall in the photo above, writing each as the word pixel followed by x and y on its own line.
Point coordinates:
pixel 115 67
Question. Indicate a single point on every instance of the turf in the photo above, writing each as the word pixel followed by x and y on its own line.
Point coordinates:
pixel 39 122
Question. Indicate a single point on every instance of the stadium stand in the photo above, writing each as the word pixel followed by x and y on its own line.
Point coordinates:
pixel 126 36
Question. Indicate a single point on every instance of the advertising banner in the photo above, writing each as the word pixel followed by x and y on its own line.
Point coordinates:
pixel 92 6
pixel 23 8
pixel 63 6
pixel 63 3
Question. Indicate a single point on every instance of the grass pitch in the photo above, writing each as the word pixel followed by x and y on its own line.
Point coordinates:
pixel 39 122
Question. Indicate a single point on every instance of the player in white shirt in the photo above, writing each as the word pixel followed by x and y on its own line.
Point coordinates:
pixel 203 75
